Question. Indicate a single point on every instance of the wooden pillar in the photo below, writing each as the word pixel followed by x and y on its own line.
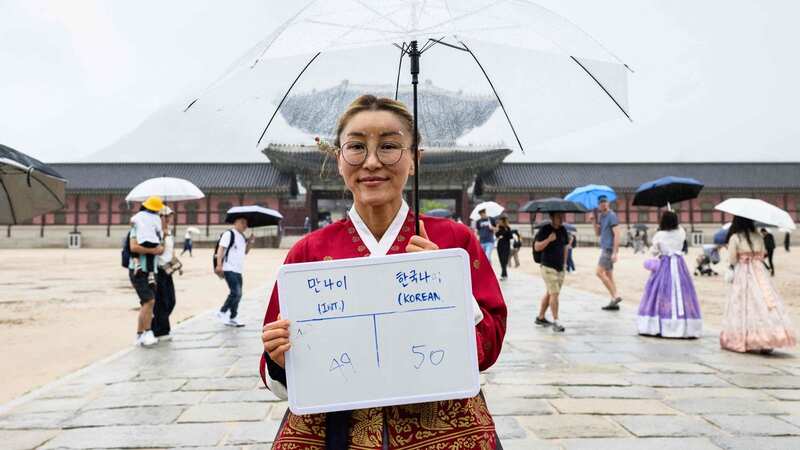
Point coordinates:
pixel 241 199
pixel 43 218
pixel 208 215
pixel 311 205
pixel 77 212
pixel 691 214
pixel 108 216
pixel 722 214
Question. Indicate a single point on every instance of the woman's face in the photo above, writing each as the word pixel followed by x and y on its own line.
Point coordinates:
pixel 374 183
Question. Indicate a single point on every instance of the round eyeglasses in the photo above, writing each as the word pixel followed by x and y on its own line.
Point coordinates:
pixel 355 152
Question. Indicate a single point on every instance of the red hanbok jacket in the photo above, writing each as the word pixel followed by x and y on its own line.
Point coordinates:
pixel 464 424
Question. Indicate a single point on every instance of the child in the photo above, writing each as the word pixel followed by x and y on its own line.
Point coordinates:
pixel 148 232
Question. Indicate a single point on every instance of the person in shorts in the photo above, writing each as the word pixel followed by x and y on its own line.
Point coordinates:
pixel 552 241
pixel 606 226
pixel 141 266
pixel 486 227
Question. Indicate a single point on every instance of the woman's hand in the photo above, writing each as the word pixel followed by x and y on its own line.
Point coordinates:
pixel 420 243
pixel 275 337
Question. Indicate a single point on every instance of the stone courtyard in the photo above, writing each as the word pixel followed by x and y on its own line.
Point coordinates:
pixel 596 386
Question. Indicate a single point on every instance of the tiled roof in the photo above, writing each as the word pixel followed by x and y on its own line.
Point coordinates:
pixel 219 177
pixel 628 176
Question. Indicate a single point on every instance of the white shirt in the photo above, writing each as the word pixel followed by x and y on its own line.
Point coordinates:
pixel 668 242
pixel 169 247
pixel 148 227
pixel 188 235
pixel 235 261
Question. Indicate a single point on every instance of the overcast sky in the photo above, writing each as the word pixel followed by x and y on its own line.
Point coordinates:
pixel 715 79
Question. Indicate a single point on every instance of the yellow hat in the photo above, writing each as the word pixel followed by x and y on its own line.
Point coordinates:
pixel 153 203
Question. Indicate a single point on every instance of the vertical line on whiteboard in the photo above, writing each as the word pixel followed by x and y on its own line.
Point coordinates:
pixel 375 331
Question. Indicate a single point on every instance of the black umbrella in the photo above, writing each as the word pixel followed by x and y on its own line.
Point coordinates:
pixel 640 226
pixel 439 212
pixel 667 190
pixel 553 204
pixel 28 187
pixel 257 216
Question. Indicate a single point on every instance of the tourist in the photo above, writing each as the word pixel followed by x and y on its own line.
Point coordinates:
pixel 233 247
pixel 187 242
pixel 516 246
pixel 144 240
pixel 165 286
pixel 372 142
pixel 485 227
pixel 573 242
pixel 669 306
pixel 552 243
pixel 504 237
pixel 755 318
pixel 638 243
pixel 769 246
pixel 605 226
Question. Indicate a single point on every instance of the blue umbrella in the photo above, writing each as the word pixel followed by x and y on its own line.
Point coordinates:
pixel 663 191
pixel 721 236
pixel 439 212
pixel 588 195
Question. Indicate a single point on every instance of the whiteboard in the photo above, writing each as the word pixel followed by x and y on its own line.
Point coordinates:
pixel 379 331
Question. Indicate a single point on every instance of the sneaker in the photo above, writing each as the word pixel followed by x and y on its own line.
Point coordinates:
pixel 164 338
pixel 138 341
pixel 613 305
pixel 148 339
pixel 223 317
pixel 557 328
pixel 234 323
pixel 543 322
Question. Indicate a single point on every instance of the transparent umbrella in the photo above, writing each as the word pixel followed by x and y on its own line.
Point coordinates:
pixel 492 66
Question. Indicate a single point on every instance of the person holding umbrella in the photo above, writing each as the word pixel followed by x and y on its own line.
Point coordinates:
pixel 755 317
pixel 372 154
pixel 669 306
pixel 229 257
pixel 165 285
pixel 144 240
pixel 504 236
pixel 486 227
pixel 606 226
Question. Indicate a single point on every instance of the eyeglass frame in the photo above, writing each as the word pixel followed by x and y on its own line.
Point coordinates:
pixel 366 155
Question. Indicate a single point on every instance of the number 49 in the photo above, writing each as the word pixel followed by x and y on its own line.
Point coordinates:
pixel 434 356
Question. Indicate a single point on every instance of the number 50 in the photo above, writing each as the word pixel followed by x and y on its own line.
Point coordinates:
pixel 434 356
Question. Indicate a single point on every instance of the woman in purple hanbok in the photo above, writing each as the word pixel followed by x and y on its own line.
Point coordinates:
pixel 669 306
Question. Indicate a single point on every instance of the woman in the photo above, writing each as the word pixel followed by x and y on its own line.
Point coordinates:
pixel 504 237
pixel 669 306
pixel 755 318
pixel 372 151
pixel 165 288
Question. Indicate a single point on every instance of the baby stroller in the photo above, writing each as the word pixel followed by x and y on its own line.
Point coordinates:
pixel 709 256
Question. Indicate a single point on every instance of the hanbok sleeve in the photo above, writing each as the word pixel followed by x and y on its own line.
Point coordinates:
pixel 274 376
pixel 733 250
pixel 486 291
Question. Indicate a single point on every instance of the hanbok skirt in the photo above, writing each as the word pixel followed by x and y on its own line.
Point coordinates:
pixel 755 317
pixel 669 306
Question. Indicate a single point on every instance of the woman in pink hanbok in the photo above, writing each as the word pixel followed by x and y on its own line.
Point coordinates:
pixel 755 318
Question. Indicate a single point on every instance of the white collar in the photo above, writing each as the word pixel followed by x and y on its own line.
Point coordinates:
pixel 379 248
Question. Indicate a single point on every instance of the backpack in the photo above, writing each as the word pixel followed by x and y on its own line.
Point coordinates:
pixel 227 250
pixel 126 251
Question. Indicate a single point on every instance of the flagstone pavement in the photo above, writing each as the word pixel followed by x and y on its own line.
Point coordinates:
pixel 596 386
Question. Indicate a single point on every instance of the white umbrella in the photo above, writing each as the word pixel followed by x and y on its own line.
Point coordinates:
pixel 168 188
pixel 492 210
pixel 193 230
pixel 757 210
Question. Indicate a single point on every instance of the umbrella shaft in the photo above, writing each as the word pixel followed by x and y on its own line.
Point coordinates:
pixel 414 54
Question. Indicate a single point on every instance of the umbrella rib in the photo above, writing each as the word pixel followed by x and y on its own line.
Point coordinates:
pixel 399 67
pixel 602 87
pixel 382 16
pixel 284 97
pixel 50 191
pixel 496 95
pixel 462 16
pixel 10 202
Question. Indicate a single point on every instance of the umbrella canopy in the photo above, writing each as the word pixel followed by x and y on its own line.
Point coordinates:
pixel 515 61
pixel 568 226
pixel 757 210
pixel 667 190
pixel 492 210
pixel 553 204
pixel 257 216
pixel 193 230
pixel 439 212
pixel 589 195
pixel 721 236
pixel 28 187
pixel 168 188
pixel 640 226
